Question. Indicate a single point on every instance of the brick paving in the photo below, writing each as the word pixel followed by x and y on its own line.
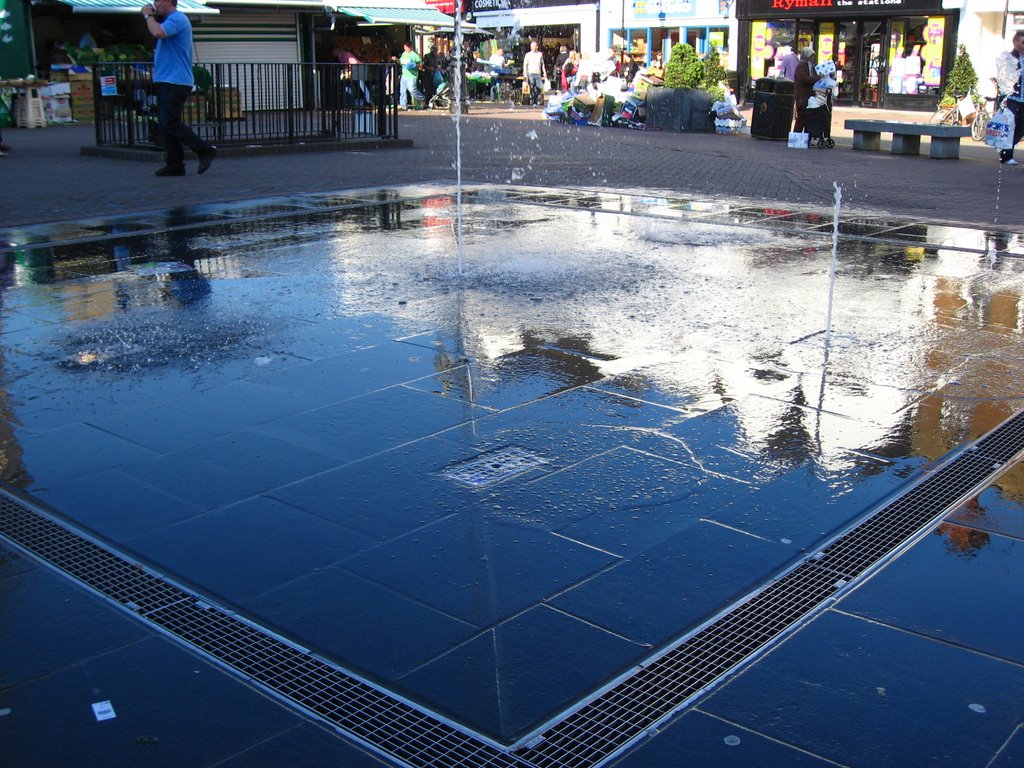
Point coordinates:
pixel 46 178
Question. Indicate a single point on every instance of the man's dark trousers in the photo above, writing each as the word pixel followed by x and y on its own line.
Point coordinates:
pixel 170 98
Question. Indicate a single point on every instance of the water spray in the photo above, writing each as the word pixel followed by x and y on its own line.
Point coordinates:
pixel 832 266
pixel 456 76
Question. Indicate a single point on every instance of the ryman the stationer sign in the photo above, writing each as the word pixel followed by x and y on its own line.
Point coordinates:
pixel 775 9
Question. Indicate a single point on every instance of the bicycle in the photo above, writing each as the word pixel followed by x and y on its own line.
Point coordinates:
pixel 977 119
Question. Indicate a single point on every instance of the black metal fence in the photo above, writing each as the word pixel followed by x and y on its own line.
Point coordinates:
pixel 252 103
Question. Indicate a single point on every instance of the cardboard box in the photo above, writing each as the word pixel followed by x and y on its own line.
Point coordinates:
pixel 57 109
pixel 57 89
pixel 81 89
pixel 86 76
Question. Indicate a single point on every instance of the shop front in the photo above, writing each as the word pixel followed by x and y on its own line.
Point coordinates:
pixel 891 54
pixel 644 28
pixel 551 23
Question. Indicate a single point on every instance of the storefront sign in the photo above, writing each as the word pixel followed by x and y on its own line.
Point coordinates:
pixel 663 9
pixel 482 6
pixel 774 9
pixel 444 6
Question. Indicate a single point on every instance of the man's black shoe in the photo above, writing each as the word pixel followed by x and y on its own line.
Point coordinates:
pixel 169 171
pixel 206 159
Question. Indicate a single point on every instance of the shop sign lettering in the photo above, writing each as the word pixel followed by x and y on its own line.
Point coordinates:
pixel 788 5
pixel 781 9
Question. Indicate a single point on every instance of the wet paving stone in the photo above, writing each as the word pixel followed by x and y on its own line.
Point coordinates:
pixel 270 407
pixel 840 689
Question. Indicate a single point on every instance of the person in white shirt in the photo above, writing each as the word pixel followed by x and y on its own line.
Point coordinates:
pixel 497 62
pixel 535 71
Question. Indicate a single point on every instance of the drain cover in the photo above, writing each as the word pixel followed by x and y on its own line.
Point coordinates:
pixel 494 467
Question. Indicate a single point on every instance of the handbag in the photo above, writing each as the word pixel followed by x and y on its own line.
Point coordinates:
pixel 999 130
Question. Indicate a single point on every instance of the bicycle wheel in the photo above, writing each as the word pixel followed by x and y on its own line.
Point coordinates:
pixel 945 117
pixel 978 126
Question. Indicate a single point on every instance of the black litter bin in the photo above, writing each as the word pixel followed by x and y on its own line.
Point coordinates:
pixel 773 108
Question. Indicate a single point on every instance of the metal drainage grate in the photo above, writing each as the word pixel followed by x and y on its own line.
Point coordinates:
pixel 589 736
pixel 1004 443
pixel 494 467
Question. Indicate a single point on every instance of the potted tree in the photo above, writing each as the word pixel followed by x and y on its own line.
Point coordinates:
pixel 961 81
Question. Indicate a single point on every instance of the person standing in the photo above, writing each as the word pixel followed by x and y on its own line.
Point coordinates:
pixel 431 64
pixel 497 62
pixel 535 71
pixel 788 63
pixel 560 59
pixel 1008 77
pixel 804 80
pixel 409 85
pixel 4 149
pixel 173 81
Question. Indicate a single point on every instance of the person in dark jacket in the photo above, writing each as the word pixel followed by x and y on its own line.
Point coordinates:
pixel 803 87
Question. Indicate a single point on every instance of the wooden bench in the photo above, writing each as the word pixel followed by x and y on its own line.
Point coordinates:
pixel 906 137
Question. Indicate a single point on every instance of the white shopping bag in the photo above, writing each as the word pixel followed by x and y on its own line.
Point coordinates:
pixel 797 140
pixel 999 130
pixel 966 107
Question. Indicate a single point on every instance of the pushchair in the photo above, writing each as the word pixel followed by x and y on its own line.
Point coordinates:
pixel 818 124
pixel 818 119
pixel 442 98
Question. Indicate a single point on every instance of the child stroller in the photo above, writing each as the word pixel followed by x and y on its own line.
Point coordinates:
pixel 442 98
pixel 819 108
pixel 819 125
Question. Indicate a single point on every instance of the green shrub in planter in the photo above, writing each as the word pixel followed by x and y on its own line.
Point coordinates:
pixel 684 68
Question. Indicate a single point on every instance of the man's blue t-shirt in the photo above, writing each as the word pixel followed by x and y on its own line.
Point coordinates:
pixel 173 58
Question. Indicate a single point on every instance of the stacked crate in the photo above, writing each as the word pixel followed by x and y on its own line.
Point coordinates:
pixel 83 105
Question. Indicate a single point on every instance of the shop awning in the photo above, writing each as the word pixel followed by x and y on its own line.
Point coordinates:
pixel 128 6
pixel 420 15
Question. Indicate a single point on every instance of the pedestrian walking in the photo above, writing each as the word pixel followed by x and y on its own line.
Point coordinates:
pixel 174 81
pixel 409 85
pixel 535 71
pixel 803 87
pixel 788 62
pixel 1009 74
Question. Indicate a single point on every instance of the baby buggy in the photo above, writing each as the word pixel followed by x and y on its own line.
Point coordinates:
pixel 819 108
pixel 442 98
pixel 819 125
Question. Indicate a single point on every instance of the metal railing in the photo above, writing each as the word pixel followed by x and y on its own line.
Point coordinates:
pixel 252 103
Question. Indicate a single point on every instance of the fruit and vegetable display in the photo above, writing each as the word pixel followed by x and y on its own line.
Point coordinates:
pixel 112 53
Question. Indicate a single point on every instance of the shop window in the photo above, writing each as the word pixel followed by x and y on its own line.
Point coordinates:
pixel 617 39
pixel 766 37
pixel 638 42
pixel 846 47
pixel 915 55
pixel 662 41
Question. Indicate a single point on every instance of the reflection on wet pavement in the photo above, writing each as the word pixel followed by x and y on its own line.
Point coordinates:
pixel 267 402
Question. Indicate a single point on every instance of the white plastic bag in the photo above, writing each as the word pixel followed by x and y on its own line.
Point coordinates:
pixel 999 130
pixel 798 140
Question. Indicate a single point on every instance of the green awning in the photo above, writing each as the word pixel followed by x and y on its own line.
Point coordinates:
pixel 424 17
pixel 128 6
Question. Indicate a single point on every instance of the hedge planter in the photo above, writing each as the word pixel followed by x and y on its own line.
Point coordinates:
pixel 680 109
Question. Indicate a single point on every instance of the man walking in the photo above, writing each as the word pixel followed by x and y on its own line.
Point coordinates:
pixel 409 84
pixel 173 80
pixel 535 71
pixel 1008 78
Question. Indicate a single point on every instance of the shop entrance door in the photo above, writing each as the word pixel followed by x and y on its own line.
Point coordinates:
pixel 872 55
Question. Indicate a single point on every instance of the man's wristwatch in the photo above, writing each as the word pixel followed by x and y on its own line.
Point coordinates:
pixel 147 16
